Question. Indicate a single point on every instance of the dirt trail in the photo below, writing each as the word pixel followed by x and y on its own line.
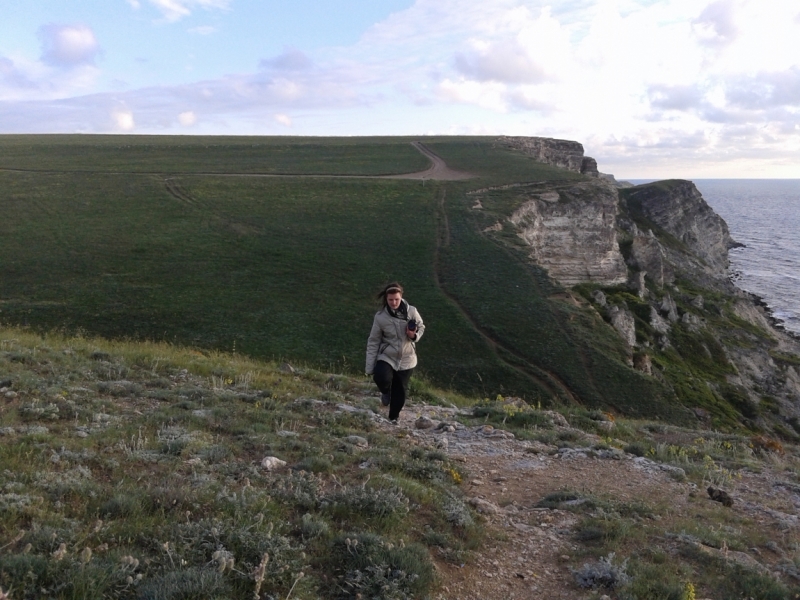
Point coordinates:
pixel 530 552
pixel 438 170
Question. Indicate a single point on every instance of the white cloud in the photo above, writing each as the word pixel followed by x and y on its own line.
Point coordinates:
pixel 68 45
pixel 122 119
pixel 283 119
pixel 187 118
pixel 175 10
pixel 291 59
pixel 135 4
pixel 505 61
pixel 715 26
pixel 489 95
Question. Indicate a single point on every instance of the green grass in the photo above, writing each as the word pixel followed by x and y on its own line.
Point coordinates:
pixel 218 154
pixel 130 237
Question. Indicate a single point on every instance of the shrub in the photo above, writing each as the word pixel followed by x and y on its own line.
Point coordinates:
pixel 372 567
pixel 603 573
pixel 368 502
pixel 189 584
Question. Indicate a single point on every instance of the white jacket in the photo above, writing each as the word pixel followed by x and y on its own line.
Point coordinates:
pixel 388 340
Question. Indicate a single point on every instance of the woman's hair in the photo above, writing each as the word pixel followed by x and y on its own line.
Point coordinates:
pixel 391 288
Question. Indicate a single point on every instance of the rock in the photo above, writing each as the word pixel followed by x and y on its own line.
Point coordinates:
pixel 599 297
pixel 270 463
pixel 643 363
pixel 678 208
pixel 589 167
pixel 357 440
pixel 575 239
pixel 484 506
pixel 697 302
pixel 5 383
pixel 669 309
pixel 648 255
pixel 702 414
pixel 718 495
pixel 606 426
pixel 284 434
pixel 424 423
pixel 11 394
pixel 657 322
pixel 637 283
pixel 692 322
pixel 81 434
pixel 622 320
pixel 557 418
pixel 613 181
pixel 559 153
pixel 287 368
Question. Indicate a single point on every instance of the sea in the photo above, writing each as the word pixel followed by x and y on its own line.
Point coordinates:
pixel 764 215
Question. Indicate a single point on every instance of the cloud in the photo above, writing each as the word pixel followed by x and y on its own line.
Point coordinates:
pixel 13 78
pixel 283 119
pixel 715 26
pixel 522 100
pixel 175 10
pixel 122 120
pixel 291 59
pixel 489 95
pixel 505 61
pixel 68 45
pixel 766 90
pixel 187 118
pixel 676 97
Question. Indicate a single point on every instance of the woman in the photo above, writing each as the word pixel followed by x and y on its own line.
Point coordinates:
pixel 391 353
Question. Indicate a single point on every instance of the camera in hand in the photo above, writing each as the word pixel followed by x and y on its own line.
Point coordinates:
pixel 412 325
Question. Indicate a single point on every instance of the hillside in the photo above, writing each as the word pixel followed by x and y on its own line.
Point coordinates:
pixel 274 248
pixel 148 471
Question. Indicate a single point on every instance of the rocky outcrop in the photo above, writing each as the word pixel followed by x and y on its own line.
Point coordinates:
pixel 622 320
pixel 678 208
pixel 559 153
pixel 648 256
pixel 571 231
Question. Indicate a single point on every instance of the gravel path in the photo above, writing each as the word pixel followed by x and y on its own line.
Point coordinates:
pixel 530 551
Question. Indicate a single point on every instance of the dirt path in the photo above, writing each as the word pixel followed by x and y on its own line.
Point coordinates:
pixel 530 551
pixel 438 171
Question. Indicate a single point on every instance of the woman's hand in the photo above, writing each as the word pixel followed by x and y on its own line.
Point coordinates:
pixel 412 335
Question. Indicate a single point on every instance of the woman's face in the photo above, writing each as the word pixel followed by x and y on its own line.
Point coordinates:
pixel 393 300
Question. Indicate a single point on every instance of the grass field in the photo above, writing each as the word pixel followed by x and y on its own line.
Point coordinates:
pixel 219 154
pixel 153 238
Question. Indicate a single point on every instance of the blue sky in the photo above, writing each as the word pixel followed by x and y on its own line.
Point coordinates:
pixel 652 88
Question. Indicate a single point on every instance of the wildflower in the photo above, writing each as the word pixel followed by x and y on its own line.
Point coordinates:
pixel 61 552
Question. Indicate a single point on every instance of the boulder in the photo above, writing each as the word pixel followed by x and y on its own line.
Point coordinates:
pixel 270 463
pixel 622 320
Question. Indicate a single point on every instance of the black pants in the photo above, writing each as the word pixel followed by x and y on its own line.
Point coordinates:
pixel 394 383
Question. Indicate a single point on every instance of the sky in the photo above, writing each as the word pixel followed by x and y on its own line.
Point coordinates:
pixel 651 88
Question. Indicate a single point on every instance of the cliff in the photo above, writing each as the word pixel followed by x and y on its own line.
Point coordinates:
pixel 571 231
pixel 652 261
pixel 559 153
